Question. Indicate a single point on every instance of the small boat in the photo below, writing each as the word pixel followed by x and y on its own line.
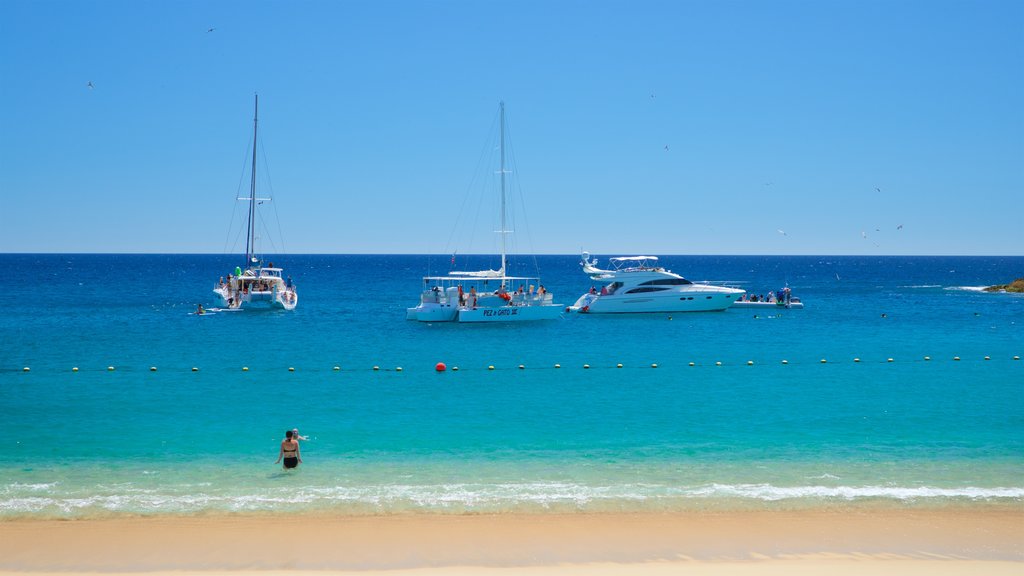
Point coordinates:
pixel 782 299
pixel 256 286
pixel 638 284
pixel 486 295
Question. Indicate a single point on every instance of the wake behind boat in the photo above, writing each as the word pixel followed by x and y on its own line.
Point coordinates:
pixel 638 284
pixel 257 286
pixel 486 295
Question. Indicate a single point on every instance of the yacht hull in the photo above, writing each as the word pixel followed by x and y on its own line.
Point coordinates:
pixel 267 300
pixel 659 303
pixel 510 314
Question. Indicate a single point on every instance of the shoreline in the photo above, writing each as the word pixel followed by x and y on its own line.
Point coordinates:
pixel 901 540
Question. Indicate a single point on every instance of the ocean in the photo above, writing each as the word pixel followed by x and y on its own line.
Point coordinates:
pixel 737 429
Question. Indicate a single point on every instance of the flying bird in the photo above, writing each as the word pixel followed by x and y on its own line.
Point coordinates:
pixel 864 235
pixel 210 30
pixel 900 227
pixel 666 147
pixel 89 85
pixel 878 189
pixel 783 232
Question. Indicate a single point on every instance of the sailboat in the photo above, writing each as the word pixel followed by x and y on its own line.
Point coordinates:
pixel 486 295
pixel 255 285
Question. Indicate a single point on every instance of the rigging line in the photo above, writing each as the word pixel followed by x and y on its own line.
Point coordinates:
pixel 477 180
pixel 270 194
pixel 517 181
pixel 238 192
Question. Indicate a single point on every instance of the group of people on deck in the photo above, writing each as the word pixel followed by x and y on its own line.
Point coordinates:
pixel 782 296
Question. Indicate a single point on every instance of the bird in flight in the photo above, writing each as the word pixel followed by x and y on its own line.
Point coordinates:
pixel 666 147
pixel 864 235
pixel 89 85
pixel 900 227
pixel 210 30
pixel 878 189
pixel 783 232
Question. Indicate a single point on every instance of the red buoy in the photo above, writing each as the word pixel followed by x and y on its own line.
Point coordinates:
pixel 440 367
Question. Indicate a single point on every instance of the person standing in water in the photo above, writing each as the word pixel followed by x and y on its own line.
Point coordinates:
pixel 289 451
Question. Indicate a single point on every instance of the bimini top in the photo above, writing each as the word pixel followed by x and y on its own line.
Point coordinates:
pixel 619 258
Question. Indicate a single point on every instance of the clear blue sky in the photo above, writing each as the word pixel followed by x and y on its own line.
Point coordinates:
pixel 826 120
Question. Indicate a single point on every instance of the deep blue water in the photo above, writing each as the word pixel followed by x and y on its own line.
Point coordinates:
pixel 911 431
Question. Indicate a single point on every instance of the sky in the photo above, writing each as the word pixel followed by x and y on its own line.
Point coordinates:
pixel 657 127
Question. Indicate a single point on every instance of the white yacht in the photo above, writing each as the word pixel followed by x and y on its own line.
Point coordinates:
pixel 257 286
pixel 487 295
pixel 638 284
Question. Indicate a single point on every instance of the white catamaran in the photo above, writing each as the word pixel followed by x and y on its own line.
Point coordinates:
pixel 487 295
pixel 255 286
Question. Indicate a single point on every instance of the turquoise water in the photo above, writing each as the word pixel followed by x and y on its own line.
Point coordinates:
pixel 911 432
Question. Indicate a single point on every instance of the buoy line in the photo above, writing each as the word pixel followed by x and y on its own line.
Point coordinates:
pixel 441 367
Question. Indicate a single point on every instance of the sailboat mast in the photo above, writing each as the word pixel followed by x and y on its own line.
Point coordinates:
pixel 250 241
pixel 504 231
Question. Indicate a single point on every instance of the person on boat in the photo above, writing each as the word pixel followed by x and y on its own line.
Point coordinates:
pixel 604 290
pixel 541 290
pixel 289 451
pixel 472 297
pixel 288 283
pixel 593 290
pixel 199 310
pixel 462 296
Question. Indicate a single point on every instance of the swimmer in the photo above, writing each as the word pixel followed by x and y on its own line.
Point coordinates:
pixel 289 451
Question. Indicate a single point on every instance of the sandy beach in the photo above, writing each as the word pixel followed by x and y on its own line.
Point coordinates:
pixel 854 541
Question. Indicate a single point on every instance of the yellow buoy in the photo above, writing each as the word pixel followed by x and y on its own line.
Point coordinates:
pixel 376 368
pixel 654 365
pixel 152 368
pixel 245 368
pixel 455 368
pixel 718 363
pixel 558 365
pixel 194 369
pixel 585 366
pixel 521 367
pixel 888 360
pixel 337 368
pixel 1016 357
pixel 398 369
pixel 855 360
pixel 987 358
pixel 110 368
pixel 956 358
pixel 618 365
pixel 692 364
pixel 491 367
pixel 25 369
pixel 291 369
pixel 785 361
pixel 74 369
pixel 823 361
pixel 750 362
pixel 927 358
